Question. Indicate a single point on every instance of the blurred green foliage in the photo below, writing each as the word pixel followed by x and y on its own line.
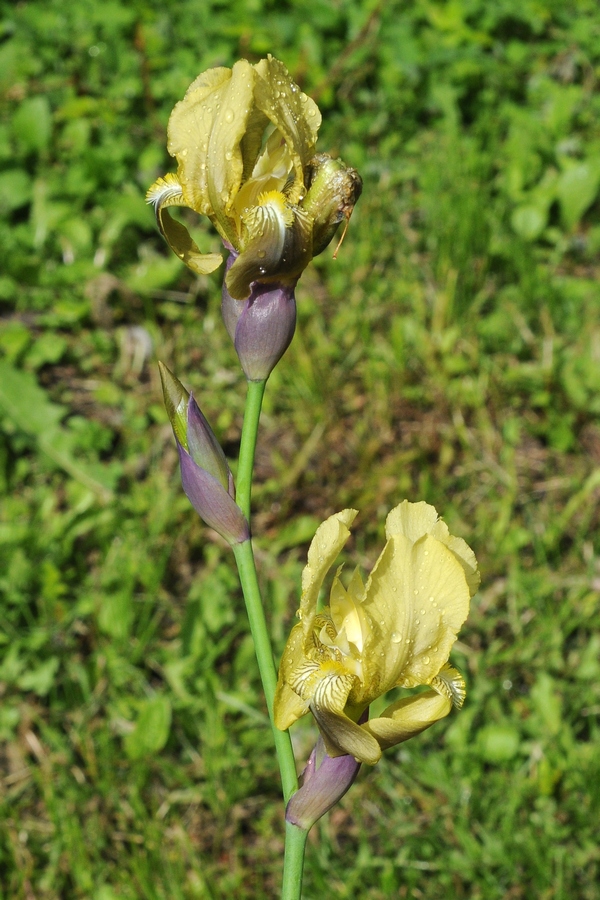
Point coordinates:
pixel 450 354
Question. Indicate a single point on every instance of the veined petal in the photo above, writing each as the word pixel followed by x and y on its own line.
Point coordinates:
pixel 288 707
pixel 295 115
pixel 276 245
pixel 205 133
pixel 417 599
pixel 166 192
pixel 406 718
pixel 417 519
pixel 329 539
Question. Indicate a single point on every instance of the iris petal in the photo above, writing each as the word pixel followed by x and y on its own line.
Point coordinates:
pixel 166 192
pixel 407 718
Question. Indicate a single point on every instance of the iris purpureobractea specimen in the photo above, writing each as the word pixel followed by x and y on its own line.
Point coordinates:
pixel 244 140
pixel 205 474
pixel 395 631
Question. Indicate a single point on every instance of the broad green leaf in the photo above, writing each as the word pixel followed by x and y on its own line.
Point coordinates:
pixel 577 189
pixel 152 729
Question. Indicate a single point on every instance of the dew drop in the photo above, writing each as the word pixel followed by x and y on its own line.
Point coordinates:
pixel 417 621
pixel 431 599
pixel 426 660
pixel 262 270
pixel 303 97
pixel 422 612
pixel 416 591
pixel 312 112
pixel 261 254
pixel 229 116
pixel 229 155
pixel 396 638
pixel 183 152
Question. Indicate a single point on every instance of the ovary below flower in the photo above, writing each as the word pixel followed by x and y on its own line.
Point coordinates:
pixel 244 140
pixel 395 631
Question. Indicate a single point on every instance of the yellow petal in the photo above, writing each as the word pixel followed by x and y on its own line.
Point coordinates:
pixel 417 599
pixel 277 245
pixel 287 705
pixel 340 734
pixel 329 539
pixel 205 134
pixel 406 718
pixel 343 736
pixel 166 192
pixel 417 519
pixel 295 115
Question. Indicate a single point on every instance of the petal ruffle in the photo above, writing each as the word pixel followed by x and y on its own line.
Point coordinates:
pixel 417 519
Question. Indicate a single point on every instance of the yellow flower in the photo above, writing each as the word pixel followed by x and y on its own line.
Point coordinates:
pixel 244 140
pixel 395 631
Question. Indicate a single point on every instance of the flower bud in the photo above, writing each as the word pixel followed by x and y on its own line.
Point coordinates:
pixel 261 327
pixel 205 474
pixel 325 781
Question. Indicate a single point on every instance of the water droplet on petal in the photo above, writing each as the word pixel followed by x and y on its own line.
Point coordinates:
pixel 396 638
pixel 426 660
pixel 422 612
pixel 229 116
pixel 261 254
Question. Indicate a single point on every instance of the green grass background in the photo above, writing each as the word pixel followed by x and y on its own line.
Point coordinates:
pixel 451 354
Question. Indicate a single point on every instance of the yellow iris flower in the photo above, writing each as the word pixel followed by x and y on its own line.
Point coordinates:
pixel 395 631
pixel 244 140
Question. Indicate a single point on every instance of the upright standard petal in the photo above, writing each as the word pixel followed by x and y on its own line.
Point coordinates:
pixel 294 114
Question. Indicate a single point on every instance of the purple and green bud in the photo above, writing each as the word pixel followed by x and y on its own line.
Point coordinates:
pixel 205 474
pixel 325 780
pixel 261 327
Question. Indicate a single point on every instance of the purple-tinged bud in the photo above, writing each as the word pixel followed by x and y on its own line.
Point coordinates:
pixel 206 477
pixel 325 780
pixel 261 327
pixel 204 448
pixel 212 501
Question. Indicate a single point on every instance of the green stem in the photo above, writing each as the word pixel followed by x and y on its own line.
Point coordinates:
pixel 295 838
pixel 293 863
pixel 254 398
pixel 244 558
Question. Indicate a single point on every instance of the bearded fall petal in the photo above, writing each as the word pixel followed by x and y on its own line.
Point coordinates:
pixel 407 718
pixel 211 501
pixel 167 192
pixel 277 245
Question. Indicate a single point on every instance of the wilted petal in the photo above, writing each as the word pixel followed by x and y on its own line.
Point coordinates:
pixel 211 501
pixel 333 190
pixel 407 718
pixel 166 192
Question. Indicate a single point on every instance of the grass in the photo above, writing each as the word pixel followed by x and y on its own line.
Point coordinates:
pixel 450 354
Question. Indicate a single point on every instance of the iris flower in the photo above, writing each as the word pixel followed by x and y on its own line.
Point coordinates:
pixel 244 141
pixel 395 631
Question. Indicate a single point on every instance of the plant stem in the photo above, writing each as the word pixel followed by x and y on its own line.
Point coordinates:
pixel 293 863
pixel 295 838
pixel 254 398
pixel 264 655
